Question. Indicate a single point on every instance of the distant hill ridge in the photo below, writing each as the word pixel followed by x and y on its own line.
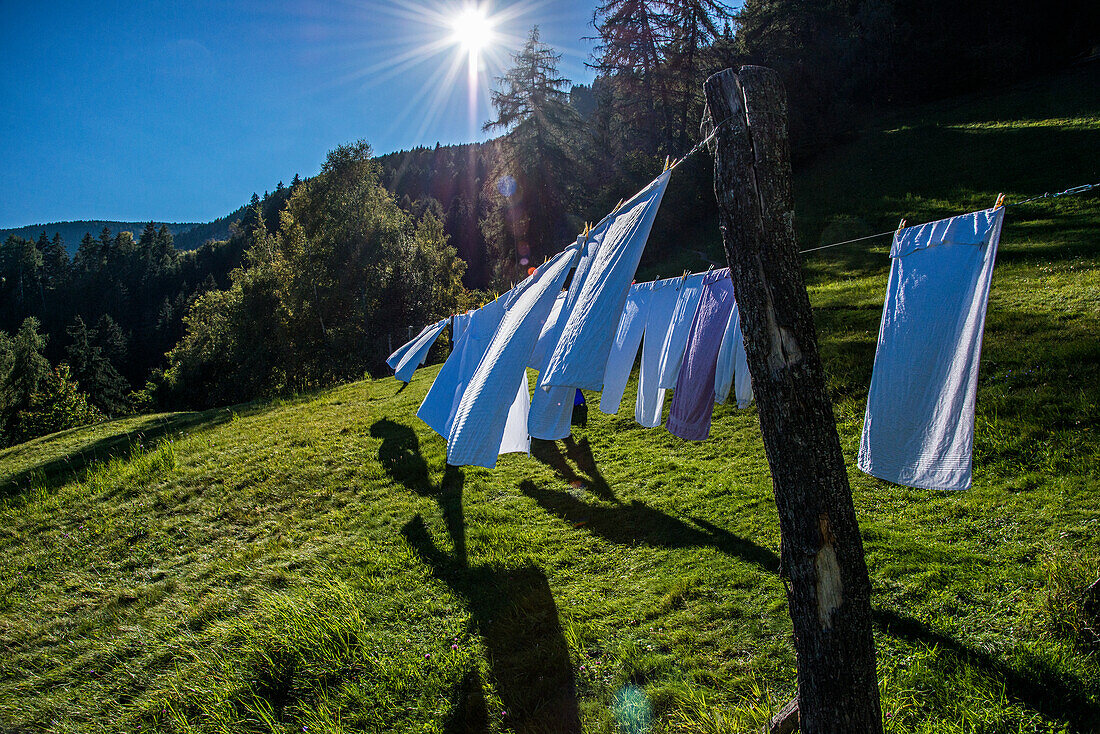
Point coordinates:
pixel 187 235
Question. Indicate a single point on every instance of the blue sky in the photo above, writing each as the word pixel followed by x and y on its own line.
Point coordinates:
pixel 179 110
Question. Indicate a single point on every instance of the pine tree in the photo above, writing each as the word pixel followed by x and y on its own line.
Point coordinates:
pixel 631 35
pixel 532 104
pixel 92 369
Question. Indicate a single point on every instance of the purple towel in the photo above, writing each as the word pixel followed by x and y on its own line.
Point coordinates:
pixel 693 401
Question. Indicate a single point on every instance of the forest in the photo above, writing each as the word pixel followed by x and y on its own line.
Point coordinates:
pixel 319 280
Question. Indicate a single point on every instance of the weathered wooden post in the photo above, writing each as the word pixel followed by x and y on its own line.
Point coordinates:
pixel 828 592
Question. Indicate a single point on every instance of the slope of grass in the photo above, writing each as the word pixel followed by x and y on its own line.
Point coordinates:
pixel 310 565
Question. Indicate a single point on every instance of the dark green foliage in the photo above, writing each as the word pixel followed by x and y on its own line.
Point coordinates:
pixel 321 298
pixel 534 172
pixel 69 233
pixel 57 405
pixel 92 355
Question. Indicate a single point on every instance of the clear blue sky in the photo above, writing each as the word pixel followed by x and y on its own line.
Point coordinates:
pixel 177 110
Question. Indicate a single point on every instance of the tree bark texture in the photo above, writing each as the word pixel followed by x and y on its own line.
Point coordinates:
pixel 828 591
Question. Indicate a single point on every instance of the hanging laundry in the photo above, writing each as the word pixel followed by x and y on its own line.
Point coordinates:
pixel 459 323
pixel 479 423
pixel 442 400
pixel 624 349
pixel 408 357
pixel 919 426
pixel 693 402
pixel 679 328
pixel 579 358
pixel 733 365
pixel 548 335
pixel 662 308
pixel 551 416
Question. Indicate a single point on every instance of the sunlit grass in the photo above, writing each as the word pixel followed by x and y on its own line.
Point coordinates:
pixel 310 565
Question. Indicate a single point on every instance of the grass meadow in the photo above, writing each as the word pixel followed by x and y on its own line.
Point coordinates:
pixel 310 565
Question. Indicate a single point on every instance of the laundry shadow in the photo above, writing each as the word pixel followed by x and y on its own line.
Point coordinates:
pixel 469 712
pixel 585 473
pixel 400 455
pixel 62 469
pixel 514 613
pixel 401 459
pixel 636 522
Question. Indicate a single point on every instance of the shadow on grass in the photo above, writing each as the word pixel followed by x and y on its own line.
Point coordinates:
pixel 62 469
pixel 513 611
pixel 634 522
pixel 401 459
pixel 586 472
pixel 1053 698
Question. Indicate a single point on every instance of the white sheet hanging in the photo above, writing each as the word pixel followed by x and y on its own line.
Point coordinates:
pixel 479 423
pixel 919 426
pixel 580 355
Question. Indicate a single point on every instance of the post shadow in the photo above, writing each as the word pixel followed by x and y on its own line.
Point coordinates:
pixel 401 459
pixel 514 612
pixel 634 522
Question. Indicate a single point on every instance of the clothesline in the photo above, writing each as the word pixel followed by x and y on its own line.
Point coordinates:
pixel 1068 192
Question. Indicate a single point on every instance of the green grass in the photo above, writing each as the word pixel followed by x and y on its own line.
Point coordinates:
pixel 310 565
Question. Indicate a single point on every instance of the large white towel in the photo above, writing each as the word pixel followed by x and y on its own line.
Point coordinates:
pixel 580 355
pixel 442 400
pixel 919 425
pixel 479 423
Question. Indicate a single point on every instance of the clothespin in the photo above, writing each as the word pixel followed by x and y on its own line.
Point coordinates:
pixel 1000 201
pixel 666 164
pixel 618 206
pixel 901 226
pixel 710 268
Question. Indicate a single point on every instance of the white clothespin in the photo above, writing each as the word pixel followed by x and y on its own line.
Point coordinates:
pixel 1000 201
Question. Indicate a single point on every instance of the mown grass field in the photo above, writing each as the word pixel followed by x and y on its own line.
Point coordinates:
pixel 309 565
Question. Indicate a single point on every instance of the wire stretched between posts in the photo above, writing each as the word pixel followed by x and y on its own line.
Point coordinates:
pixel 1068 192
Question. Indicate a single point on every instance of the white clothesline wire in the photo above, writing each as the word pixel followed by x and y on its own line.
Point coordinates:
pixel 1068 192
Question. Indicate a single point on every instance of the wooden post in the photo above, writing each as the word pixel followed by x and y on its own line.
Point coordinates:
pixel 821 553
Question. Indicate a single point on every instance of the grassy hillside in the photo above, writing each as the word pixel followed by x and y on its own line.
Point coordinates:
pixel 309 565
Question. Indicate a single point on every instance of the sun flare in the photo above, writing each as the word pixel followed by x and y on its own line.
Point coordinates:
pixel 473 29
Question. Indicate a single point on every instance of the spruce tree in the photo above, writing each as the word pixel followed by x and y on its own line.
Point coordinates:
pixel 532 104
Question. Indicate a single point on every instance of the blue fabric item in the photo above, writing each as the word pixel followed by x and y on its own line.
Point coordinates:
pixel 548 335
pixel 693 402
pixel 650 403
pixel 733 365
pixel 442 400
pixel 919 426
pixel 459 322
pixel 679 328
pixel 580 355
pixel 624 349
pixel 407 358
pixel 551 412
pixel 479 423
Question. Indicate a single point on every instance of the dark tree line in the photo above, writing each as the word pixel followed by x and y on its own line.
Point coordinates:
pixel 569 152
pixel 319 280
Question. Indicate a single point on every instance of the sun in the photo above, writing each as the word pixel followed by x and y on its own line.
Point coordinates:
pixel 473 29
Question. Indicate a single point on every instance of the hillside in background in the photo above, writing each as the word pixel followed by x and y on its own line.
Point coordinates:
pixel 312 565
pixel 185 235
pixel 72 232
